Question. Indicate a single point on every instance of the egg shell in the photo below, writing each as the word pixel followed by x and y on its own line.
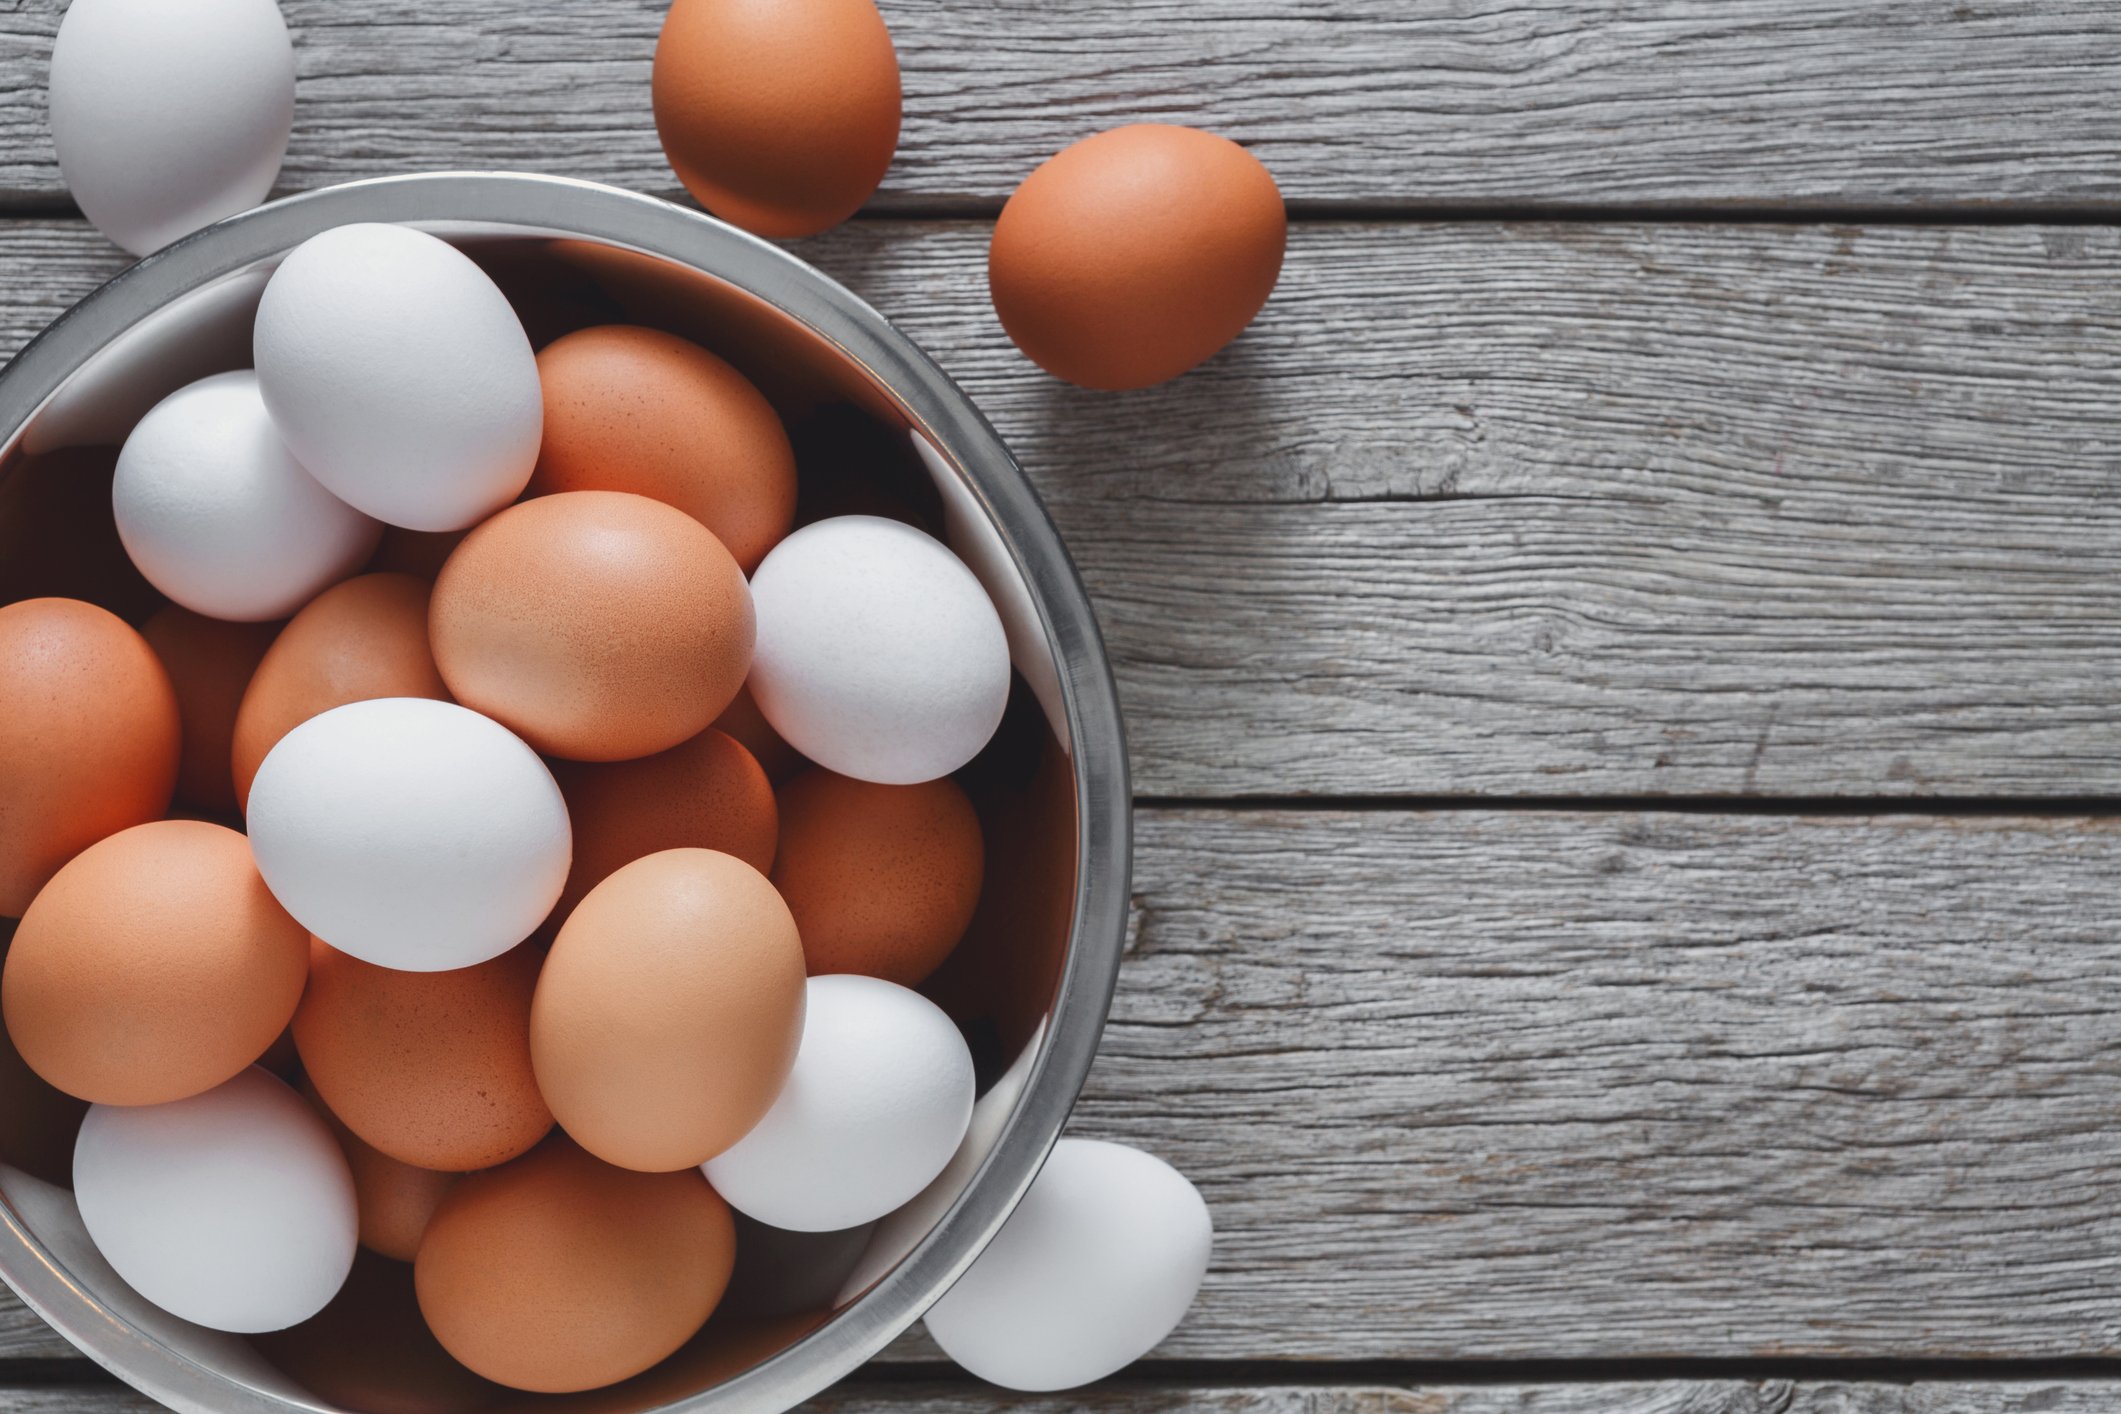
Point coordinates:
pixel 168 118
pixel 394 1200
pixel 399 376
pixel 58 538
pixel 220 517
pixel 89 738
pixel 879 655
pixel 210 663
pixel 779 116
pixel 878 1100
pixel 232 1209
pixel 598 625
pixel 1136 254
pixel 743 720
pixel 357 641
pixel 370 1350
pixel 559 1272
pixel 412 834
pixel 882 880
pixel 1094 1268
pixel 634 409
pixel 669 1010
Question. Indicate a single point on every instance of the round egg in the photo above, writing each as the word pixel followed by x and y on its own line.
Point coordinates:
pixel 153 966
pixel 89 738
pixel 220 517
pixel 168 118
pixel 778 117
pixel 210 663
pixel 879 655
pixel 882 880
pixel 357 641
pixel 412 834
pixel 1133 255
pixel 232 1209
pixel 597 625
pixel 876 1105
pixel 559 1272
pixel 399 376
pixel 669 1010
pixel 1096 1266
pixel 633 409
pixel 394 1201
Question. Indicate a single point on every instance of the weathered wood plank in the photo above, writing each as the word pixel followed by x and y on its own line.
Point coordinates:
pixel 1562 103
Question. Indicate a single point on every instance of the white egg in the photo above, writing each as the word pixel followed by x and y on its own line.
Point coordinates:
pixel 413 834
pixel 218 514
pixel 233 1209
pixel 168 117
pixel 1095 1267
pixel 878 1100
pixel 400 376
pixel 879 655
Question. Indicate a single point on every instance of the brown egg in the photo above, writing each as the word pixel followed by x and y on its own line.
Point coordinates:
pixel 432 1068
pixel 559 1272
pixel 395 1200
pixel 743 720
pixel 1136 254
pixel 88 738
pixel 780 116
pixel 361 639
pixel 882 880
pixel 210 663
pixel 669 1010
pixel 633 409
pixel 58 537
pixel 155 965
pixel 596 625
pixel 370 1349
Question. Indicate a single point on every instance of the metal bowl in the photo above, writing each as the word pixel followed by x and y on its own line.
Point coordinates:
pixel 1034 979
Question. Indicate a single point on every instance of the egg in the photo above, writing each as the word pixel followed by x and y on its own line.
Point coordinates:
pixel 743 720
pixel 1136 254
pixel 393 1200
pixel 89 738
pixel 399 376
pixel 598 625
pixel 633 409
pixel 669 1010
pixel 559 1272
pixel 879 1097
pixel 412 834
pixel 210 663
pixel 779 117
pixel 359 640
pixel 58 538
pixel 168 118
pixel 153 966
pixel 220 517
pixel 879 655
pixel 232 1209
pixel 882 880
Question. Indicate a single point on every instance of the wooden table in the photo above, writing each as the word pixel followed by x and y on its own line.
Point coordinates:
pixel 1623 660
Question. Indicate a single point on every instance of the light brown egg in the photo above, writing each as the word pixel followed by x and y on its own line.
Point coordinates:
pixel 395 1201
pixel 559 1272
pixel 633 409
pixel 89 738
pixel 743 720
pixel 59 538
pixel 882 880
pixel 780 116
pixel 669 1010
pixel 155 965
pixel 432 1068
pixel 1136 254
pixel 370 1349
pixel 361 639
pixel 596 625
pixel 210 663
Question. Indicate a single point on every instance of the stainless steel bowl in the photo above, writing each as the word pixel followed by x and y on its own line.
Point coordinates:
pixel 1036 982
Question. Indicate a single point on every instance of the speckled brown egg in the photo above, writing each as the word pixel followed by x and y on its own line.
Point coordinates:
pixel 154 966
pixel 743 720
pixel 882 880
pixel 559 1272
pixel 395 1201
pixel 633 409
pixel 432 1068
pixel 669 1010
pixel 596 625
pixel 89 738
pixel 210 663
pixel 1136 254
pixel 361 639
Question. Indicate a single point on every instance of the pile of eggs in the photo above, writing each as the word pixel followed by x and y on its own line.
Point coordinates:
pixel 570 981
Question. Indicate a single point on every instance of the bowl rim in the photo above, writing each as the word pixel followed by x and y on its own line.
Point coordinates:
pixel 525 204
